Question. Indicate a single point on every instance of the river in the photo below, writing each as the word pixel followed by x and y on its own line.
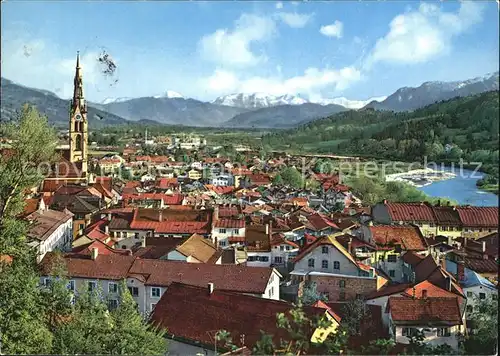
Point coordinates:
pixel 461 188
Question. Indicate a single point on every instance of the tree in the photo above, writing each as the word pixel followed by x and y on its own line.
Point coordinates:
pixel 33 144
pixel 23 328
pixel 292 177
pixel 131 333
pixel 310 294
pixel 483 339
pixel 312 184
pixel 277 180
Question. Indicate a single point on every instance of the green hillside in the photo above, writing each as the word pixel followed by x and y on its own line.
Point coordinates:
pixel 461 128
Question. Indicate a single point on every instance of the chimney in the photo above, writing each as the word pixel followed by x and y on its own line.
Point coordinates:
pixel 267 229
pixel 129 252
pixel 106 229
pixel 450 240
pixel 484 246
pixel 109 216
pixel 349 246
pixel 210 288
pixel 413 277
pixel 216 213
pixel 160 215
pixel 460 271
pixel 94 252
pixel 424 293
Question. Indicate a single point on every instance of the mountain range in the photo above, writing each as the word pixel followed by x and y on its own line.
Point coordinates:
pixel 258 110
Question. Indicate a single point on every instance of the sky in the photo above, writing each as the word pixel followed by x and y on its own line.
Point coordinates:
pixel 319 50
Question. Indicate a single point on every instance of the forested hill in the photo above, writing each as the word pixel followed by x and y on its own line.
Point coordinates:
pixel 446 131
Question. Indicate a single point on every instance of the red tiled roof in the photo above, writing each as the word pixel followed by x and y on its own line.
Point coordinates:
pixel 410 212
pixel 229 212
pixel 31 205
pixel 51 185
pixel 475 216
pixel 279 239
pixel 236 278
pixel 412 258
pixel 409 237
pixel 259 179
pixel 230 223
pixel 432 291
pixel 220 190
pixel 159 159
pixel 106 182
pixel 165 183
pixel 446 215
pixel 168 199
pixel 425 311
pixel 102 248
pixel 113 266
pixel 319 222
pixel 142 158
pixel 388 289
pixel 193 313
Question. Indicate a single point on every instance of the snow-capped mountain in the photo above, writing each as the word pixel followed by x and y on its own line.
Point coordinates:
pixel 349 104
pixel 114 100
pixel 258 100
pixel 170 94
pixel 408 98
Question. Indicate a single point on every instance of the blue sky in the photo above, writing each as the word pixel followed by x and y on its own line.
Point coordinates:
pixel 352 49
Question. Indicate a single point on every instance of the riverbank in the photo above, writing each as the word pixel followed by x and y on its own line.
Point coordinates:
pixel 420 177
pixel 491 188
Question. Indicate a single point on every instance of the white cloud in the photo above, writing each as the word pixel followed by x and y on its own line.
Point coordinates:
pixel 279 5
pixel 233 47
pixel 335 29
pixel 311 82
pixel 423 34
pixel 294 19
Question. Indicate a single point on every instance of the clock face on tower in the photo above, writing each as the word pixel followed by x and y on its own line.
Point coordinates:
pixel 78 117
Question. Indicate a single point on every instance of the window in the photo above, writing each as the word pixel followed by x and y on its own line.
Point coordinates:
pixel 392 273
pixel 431 224
pixel 407 332
pixel 324 264
pixel 81 226
pixel 342 283
pixel 342 295
pixel 310 262
pixel 236 231
pixel 336 265
pixel 222 243
pixel 282 248
pixel 136 235
pixel 112 287
pixel 252 258
pixel 381 258
pixel 155 292
pixel 443 332
pixel 71 286
pixel 278 259
pixel 324 249
pixel 482 296
pixel 222 231
pixel 263 259
pixel 92 286
pixel 358 296
pixel 134 291
pixel 112 304
pixel 470 309
pixel 469 294
pixel 392 258
pixel 124 247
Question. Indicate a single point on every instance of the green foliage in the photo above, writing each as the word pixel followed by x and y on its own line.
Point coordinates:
pixel 292 177
pixel 483 339
pixel 310 294
pixel 417 346
pixel 277 180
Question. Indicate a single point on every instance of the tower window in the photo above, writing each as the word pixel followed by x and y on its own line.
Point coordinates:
pixel 78 143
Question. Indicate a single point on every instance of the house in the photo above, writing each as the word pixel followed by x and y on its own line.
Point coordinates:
pixel 49 230
pixel 110 164
pixel 467 221
pixel 222 180
pixel 227 231
pixel 194 174
pixel 129 227
pixel 283 251
pixel 389 242
pixel 193 315
pixel 440 320
pixel 475 286
pixel 258 245
pixel 336 273
pixel 317 224
pixel 148 279
pixel 196 249
pixel 152 200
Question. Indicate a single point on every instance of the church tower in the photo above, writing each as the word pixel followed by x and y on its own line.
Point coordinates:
pixel 78 133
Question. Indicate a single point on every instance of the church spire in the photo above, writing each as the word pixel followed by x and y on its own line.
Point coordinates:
pixel 78 99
